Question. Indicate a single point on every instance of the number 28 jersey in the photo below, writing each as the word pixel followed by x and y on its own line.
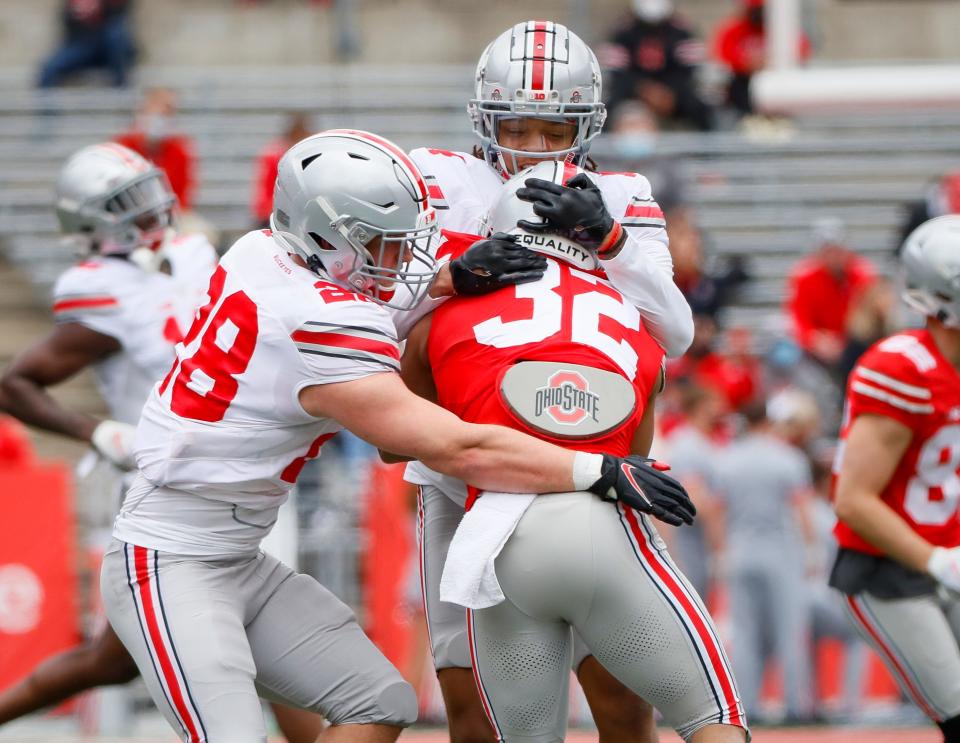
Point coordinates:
pixel 223 436
pixel 905 377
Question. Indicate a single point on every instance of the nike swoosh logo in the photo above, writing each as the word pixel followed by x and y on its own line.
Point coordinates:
pixel 627 470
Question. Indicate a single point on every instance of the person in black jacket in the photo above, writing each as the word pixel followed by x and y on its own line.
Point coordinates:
pixel 95 34
pixel 654 58
pixel 942 197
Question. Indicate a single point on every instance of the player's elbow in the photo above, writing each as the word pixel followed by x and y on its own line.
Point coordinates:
pixel 848 505
pixel 10 383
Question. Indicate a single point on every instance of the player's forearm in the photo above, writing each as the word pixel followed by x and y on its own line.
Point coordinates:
pixel 881 526
pixel 33 405
pixel 503 460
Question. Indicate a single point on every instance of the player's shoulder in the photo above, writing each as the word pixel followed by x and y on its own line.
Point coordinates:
pixel 629 197
pixel 344 325
pixel 96 282
pixel 448 168
pixel 189 253
pixel 897 371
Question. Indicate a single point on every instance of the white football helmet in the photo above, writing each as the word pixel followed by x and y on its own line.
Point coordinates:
pixel 539 69
pixel 354 206
pixel 114 200
pixel 508 210
pixel 931 266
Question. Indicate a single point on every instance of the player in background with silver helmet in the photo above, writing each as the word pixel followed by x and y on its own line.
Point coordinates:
pixel 538 97
pixel 119 312
pixel 897 485
pixel 293 345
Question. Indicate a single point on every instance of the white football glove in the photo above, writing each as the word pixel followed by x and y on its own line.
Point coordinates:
pixel 944 565
pixel 114 441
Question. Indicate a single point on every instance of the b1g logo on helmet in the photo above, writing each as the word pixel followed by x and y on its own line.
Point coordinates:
pixel 567 398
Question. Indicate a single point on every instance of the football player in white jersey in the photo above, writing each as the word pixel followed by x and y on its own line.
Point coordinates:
pixel 538 96
pixel 292 346
pixel 119 311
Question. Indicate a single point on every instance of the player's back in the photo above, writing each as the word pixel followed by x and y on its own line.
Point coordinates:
pixel 906 378
pixel 565 358
pixel 226 423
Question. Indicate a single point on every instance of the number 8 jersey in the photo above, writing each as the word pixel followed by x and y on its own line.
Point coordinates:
pixel 223 436
pixel 905 377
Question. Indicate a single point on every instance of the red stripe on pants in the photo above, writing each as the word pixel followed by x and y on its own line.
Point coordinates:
pixel 156 639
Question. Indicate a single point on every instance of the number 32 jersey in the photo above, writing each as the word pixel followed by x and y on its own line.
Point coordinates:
pixel 223 436
pixel 905 377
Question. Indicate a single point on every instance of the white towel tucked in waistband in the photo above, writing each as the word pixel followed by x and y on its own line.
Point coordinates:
pixel 469 578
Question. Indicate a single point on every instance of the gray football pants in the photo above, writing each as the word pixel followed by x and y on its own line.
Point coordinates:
pixel 770 617
pixel 917 638
pixel 575 561
pixel 209 636
pixel 439 517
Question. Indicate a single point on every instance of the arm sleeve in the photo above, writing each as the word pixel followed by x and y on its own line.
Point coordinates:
pixel 351 342
pixel 643 272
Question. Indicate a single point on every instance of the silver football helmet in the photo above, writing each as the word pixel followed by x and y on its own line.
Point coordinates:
pixel 931 266
pixel 507 210
pixel 539 69
pixel 354 206
pixel 114 200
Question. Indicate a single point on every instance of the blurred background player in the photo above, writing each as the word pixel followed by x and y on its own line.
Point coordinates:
pixel 898 483
pixel 522 644
pixel 119 312
pixel 515 132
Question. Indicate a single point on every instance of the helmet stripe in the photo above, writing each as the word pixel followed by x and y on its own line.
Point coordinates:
pixel 385 144
pixel 125 155
pixel 538 51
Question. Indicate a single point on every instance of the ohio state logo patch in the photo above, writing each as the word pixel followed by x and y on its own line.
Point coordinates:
pixel 567 399
pixel 570 401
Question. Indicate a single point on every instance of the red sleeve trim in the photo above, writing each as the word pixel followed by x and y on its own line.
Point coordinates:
pixel 352 342
pixel 90 303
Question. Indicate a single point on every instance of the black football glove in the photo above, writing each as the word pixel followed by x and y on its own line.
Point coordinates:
pixel 494 263
pixel 575 211
pixel 642 483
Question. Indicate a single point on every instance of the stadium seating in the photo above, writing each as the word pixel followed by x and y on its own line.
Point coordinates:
pixel 753 196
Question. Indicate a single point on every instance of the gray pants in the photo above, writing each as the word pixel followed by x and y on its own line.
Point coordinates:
pixel 917 638
pixel 210 636
pixel 447 623
pixel 577 562
pixel 770 618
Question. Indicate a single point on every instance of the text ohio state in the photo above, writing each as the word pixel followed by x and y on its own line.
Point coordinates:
pixel 568 398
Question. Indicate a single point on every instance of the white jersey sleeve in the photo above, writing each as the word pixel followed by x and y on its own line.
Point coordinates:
pixel 349 345
pixel 90 294
pixel 643 269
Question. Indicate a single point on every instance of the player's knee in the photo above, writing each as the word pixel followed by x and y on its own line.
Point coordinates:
pixel 950 729
pixel 391 703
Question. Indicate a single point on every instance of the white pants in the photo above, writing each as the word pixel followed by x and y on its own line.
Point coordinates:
pixel 209 636
pixel 577 562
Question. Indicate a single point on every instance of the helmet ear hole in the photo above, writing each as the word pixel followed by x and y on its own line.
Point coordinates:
pixel 321 243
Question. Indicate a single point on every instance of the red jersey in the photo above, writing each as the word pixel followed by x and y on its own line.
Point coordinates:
pixel 569 317
pixel 905 377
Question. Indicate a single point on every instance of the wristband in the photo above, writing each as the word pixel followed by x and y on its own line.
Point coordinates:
pixel 611 240
pixel 587 469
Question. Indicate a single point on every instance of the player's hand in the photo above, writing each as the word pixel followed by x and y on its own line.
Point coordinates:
pixel 642 483
pixel 494 263
pixel 944 565
pixel 575 211
pixel 114 441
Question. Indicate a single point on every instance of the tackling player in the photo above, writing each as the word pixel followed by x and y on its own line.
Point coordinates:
pixel 567 359
pixel 897 485
pixel 119 312
pixel 292 346
pixel 538 97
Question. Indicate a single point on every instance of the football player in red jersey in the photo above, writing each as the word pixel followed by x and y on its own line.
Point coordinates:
pixel 568 359
pixel 897 485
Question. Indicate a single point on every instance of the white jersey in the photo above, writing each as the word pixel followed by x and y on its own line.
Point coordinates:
pixel 463 188
pixel 223 437
pixel 146 312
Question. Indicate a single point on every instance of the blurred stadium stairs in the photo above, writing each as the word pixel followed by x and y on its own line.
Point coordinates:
pixel 755 194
